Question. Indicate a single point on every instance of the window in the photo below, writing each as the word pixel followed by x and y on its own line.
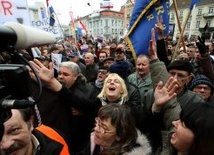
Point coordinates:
pixel 199 12
pixel 101 23
pixel 197 24
pixel 188 25
pixel 90 24
pixel 106 22
pixel 208 23
pixel 172 16
pixel 112 31
pixel 112 22
pixel 211 10
pixel 115 22
pixel 181 14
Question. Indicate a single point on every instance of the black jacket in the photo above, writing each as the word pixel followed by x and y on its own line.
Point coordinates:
pixel 47 146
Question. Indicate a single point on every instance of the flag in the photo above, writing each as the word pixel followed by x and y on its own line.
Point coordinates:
pixel 193 3
pixel 143 19
pixel 47 3
pixel 72 18
pixel 51 13
pixel 82 25
pixel 81 29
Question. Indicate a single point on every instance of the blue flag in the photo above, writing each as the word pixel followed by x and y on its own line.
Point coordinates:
pixel 193 3
pixel 143 19
pixel 51 13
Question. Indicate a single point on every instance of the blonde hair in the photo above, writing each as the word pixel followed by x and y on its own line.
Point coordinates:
pixel 124 95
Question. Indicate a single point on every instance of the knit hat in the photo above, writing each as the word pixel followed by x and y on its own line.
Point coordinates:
pixel 180 65
pixel 201 79
pixel 122 68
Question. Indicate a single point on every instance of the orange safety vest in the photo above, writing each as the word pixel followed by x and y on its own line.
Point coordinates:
pixel 52 134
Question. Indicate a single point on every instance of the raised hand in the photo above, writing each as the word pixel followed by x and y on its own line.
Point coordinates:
pixel 45 74
pixel 159 27
pixel 164 93
pixel 152 46
pixel 201 46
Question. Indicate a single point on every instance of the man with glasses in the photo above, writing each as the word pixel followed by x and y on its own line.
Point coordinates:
pixel 101 76
pixel 181 71
pixel 202 86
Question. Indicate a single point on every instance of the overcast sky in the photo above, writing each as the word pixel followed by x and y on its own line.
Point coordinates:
pixel 79 7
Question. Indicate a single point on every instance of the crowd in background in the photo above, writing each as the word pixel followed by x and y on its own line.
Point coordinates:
pixel 104 101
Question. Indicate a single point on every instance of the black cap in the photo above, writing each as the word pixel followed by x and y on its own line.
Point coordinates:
pixel 180 65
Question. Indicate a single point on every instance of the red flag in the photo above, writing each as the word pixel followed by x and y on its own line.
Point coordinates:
pixel 82 25
pixel 47 3
pixel 72 17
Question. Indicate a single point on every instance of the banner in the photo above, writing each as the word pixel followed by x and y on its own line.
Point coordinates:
pixel 143 19
pixel 14 11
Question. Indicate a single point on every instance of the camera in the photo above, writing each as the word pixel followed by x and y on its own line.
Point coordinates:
pixel 15 81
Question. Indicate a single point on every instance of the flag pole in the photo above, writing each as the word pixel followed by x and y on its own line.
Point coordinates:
pixel 61 32
pixel 178 22
pixel 182 33
pixel 193 2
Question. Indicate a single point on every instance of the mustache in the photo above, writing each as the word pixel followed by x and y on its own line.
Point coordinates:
pixel 14 147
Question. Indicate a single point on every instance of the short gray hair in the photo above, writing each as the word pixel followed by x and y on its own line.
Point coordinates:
pixel 72 66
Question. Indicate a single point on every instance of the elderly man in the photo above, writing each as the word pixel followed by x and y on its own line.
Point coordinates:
pixel 142 77
pixel 91 67
pixel 202 86
pixel 21 138
pixel 73 121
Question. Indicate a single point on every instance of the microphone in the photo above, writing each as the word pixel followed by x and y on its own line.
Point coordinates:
pixel 16 104
pixel 23 36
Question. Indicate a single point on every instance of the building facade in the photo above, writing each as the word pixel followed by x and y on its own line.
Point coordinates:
pixel 202 13
pixel 106 23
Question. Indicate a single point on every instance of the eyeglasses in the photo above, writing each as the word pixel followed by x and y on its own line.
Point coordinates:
pixel 99 128
pixel 102 72
pixel 119 52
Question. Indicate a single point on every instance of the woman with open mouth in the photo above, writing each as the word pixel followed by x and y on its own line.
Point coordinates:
pixel 193 132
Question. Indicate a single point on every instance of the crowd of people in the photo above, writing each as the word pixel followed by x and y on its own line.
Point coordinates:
pixel 98 100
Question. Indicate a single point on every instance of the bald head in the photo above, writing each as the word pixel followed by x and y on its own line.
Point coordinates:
pixel 89 59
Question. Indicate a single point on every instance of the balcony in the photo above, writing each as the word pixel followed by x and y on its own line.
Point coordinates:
pixel 208 15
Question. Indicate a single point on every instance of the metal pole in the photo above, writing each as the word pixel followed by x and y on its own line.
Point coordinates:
pixel 62 32
pixel 90 4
